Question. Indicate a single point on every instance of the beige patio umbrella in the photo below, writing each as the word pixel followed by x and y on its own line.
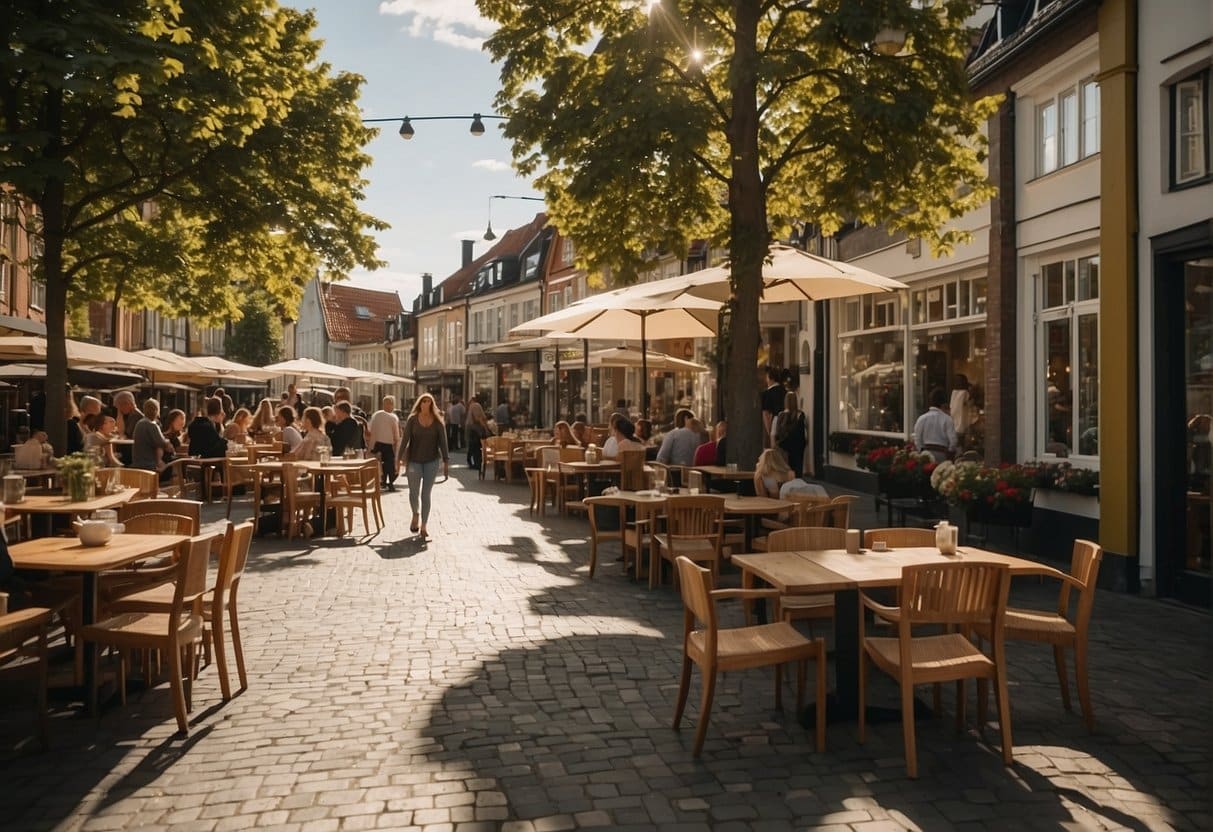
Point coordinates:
pixel 311 368
pixel 223 368
pixel 79 354
pixel 788 275
pixel 617 317
pixel 631 357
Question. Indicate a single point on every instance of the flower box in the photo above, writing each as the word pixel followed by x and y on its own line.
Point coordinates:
pixel 1018 514
pixel 1064 502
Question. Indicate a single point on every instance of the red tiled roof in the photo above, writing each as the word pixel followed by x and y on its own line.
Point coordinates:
pixel 510 244
pixel 355 315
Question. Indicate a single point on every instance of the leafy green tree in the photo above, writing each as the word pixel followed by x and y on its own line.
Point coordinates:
pixel 648 124
pixel 180 154
pixel 256 338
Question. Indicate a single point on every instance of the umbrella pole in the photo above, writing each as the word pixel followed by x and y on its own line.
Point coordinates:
pixel 644 367
pixel 556 408
pixel 589 385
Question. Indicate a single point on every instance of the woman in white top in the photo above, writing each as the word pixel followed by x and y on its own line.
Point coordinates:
pixel 309 446
pixel 623 437
pixel 771 472
pixel 290 433
pixel 98 431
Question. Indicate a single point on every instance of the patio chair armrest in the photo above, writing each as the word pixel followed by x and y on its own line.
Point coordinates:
pixel 774 525
pixel 883 610
pixel 1044 571
pixel 743 594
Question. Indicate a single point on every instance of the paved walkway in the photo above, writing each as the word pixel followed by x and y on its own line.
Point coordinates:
pixel 483 682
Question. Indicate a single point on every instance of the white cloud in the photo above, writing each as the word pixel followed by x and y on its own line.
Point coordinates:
pixel 453 22
pixel 495 165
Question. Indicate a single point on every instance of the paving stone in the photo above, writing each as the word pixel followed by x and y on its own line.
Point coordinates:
pixel 481 680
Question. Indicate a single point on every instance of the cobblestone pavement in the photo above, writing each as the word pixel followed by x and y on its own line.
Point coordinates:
pixel 482 681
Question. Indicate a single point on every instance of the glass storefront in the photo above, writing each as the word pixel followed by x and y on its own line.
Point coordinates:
pixel 871 381
pixel 1198 372
pixel 512 383
pixel 941 358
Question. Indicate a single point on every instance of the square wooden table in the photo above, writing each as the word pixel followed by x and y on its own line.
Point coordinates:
pixel 843 574
pixel 68 554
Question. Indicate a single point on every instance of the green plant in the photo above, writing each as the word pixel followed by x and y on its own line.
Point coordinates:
pixel 77 471
pixel 1063 476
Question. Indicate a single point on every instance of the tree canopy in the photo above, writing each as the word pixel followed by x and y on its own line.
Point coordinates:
pixel 256 339
pixel 180 155
pixel 648 124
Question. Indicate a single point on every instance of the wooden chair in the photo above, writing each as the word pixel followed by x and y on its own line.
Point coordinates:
pixel 840 517
pixel 795 517
pixel 299 501
pixel 717 650
pixel 362 487
pixel 818 607
pixel 1057 628
pixel 632 476
pixel 966 594
pixel 694 528
pixel 267 493
pixel 174 633
pixel 568 485
pixel 148 482
pixel 237 473
pixel 900 537
pixel 23 652
pixel 115 584
pixel 494 452
pixel 163 505
pixel 232 560
pixel 161 524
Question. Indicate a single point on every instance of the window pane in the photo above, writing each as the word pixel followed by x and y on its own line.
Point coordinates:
pixel 1048 137
pixel 1190 133
pixel 850 316
pixel 935 303
pixel 920 306
pixel 1054 289
pixel 1088 385
pixel 950 301
pixel 979 296
pixel 1090 118
pixel 1069 128
pixel 940 359
pixel 966 298
pixel 1069 281
pixel 1057 395
pixel 1088 278
pixel 871 382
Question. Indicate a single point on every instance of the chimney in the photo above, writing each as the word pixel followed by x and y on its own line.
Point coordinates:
pixel 467 252
pixel 427 283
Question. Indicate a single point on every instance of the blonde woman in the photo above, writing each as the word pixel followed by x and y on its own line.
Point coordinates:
pixel 771 472
pixel 562 435
pixel 265 420
pixel 423 447
pixel 237 430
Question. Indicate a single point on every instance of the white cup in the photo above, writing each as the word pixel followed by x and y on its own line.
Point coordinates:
pixel 880 546
pixel 853 541
pixel 694 490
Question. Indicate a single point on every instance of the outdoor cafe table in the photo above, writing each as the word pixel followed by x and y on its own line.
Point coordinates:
pixel 47 505
pixel 843 574
pixel 321 470
pixel 721 472
pixel 583 470
pixel 68 554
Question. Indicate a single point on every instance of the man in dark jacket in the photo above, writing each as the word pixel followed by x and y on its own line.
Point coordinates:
pixel 206 434
pixel 347 431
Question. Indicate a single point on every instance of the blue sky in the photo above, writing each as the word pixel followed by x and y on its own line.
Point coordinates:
pixel 423 58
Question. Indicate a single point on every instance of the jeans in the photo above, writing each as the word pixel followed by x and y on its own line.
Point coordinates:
pixel 423 474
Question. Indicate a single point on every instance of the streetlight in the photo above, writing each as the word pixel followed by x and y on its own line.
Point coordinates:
pixel 488 234
pixel 406 122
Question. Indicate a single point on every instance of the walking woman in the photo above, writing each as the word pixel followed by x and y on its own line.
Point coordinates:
pixel 422 449
pixel 791 433
pixel 476 431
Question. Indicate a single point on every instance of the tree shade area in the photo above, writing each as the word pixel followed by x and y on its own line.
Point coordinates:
pixel 650 124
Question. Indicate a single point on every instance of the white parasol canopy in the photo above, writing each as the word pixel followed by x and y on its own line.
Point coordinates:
pixel 80 354
pixel 788 275
pixel 311 368
pixel 222 368
pixel 631 357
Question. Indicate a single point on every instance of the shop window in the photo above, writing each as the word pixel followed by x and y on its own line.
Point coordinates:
pixel 1190 130
pixel 1067 127
pixel 871 365
pixel 948 301
pixel 1068 384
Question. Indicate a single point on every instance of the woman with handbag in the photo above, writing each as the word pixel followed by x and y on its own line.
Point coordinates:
pixel 791 433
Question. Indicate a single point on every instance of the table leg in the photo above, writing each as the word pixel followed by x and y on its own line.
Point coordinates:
pixel 747 604
pixel 89 616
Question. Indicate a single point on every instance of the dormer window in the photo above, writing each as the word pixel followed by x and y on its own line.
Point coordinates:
pixel 362 313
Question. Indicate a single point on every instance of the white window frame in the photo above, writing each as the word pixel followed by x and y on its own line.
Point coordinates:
pixel 1073 310
pixel 1074 134
pixel 1199 83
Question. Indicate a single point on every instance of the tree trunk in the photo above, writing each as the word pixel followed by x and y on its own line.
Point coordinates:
pixel 52 206
pixel 748 244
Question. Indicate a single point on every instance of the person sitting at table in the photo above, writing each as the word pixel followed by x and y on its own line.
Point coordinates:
pixel 610 447
pixel 562 435
pixel 128 416
pixel 678 446
pixel 32 451
pixel 291 436
pixel 151 451
pixel 624 436
pixel 644 431
pixel 205 432
pixel 705 454
pixel 314 438
pixel 237 429
pixel 345 431
pixel 771 472
pixel 98 431
pixel 581 433
pixel 174 431
pixel 264 420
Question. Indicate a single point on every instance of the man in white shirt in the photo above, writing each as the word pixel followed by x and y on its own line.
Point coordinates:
pixel 934 431
pixel 384 429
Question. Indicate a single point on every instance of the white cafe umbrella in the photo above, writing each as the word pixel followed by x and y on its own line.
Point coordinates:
pixel 79 354
pixel 789 274
pixel 631 318
pixel 311 368
pixel 222 368
pixel 631 357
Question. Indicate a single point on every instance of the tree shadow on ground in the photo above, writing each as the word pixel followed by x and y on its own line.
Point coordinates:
pixel 583 725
